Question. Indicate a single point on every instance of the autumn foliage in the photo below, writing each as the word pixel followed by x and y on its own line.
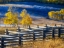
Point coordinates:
pixel 11 18
pixel 57 15
pixel 26 19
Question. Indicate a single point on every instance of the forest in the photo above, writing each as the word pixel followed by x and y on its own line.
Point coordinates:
pixel 42 1
pixel 56 15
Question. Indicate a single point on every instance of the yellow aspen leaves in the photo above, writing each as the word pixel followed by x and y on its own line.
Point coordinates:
pixel 26 19
pixel 23 13
pixel 7 21
pixel 51 13
pixel 11 18
pixel 62 11
pixel 57 15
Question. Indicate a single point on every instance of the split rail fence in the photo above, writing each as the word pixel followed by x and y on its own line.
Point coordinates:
pixel 15 38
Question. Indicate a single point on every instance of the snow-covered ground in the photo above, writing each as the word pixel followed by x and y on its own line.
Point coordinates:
pixel 29 6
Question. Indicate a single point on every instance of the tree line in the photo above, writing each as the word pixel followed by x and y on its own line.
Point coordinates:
pixel 57 15
pixel 43 1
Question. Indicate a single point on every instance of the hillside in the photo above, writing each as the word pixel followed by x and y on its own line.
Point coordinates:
pixel 42 1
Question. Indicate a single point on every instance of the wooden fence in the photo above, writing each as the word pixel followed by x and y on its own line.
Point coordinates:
pixel 13 38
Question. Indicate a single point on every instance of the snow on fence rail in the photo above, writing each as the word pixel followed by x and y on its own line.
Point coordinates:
pixel 13 38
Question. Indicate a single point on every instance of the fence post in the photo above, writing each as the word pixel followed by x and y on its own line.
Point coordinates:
pixel 44 34
pixel 53 36
pixel 2 42
pixel 46 25
pixel 18 29
pixel 55 24
pixel 33 36
pixel 37 26
pixel 20 42
pixel 6 31
pixel 29 27
pixel 59 32
pixel 61 25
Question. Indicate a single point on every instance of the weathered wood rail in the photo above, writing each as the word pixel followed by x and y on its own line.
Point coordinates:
pixel 13 38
